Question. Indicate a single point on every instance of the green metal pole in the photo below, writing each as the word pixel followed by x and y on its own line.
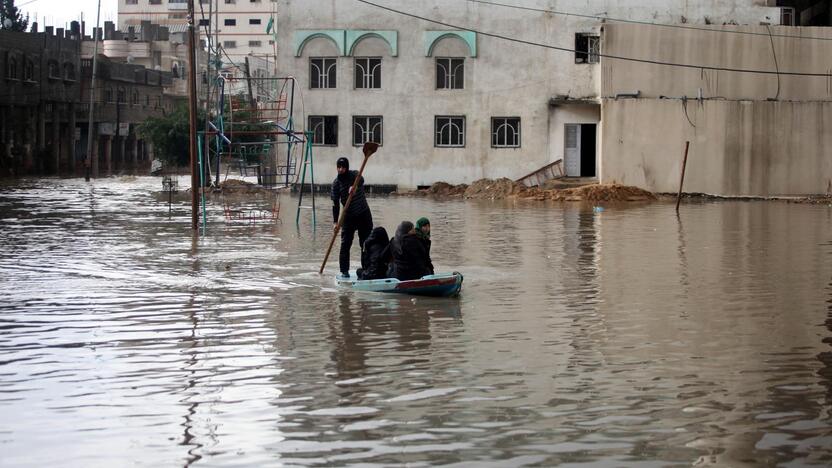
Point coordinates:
pixel 201 181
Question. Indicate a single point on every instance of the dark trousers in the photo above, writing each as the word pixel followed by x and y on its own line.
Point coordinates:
pixel 362 223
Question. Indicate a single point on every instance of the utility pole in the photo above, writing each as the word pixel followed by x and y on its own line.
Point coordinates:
pixel 192 117
pixel 92 93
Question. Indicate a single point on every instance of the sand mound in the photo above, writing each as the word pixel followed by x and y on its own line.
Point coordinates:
pixel 494 189
pixel 603 192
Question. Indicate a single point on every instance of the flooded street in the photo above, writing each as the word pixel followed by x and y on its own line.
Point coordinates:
pixel 615 337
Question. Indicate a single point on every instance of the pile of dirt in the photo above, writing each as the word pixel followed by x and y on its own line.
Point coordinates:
pixel 491 189
pixel 603 192
pixel 237 185
pixel 494 189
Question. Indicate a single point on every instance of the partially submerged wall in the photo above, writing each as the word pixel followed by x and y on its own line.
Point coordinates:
pixel 737 147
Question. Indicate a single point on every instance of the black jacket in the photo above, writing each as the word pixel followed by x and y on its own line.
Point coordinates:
pixel 426 241
pixel 410 259
pixel 341 191
pixel 375 255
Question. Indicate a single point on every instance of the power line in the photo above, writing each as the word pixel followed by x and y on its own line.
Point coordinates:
pixel 610 56
pixel 647 23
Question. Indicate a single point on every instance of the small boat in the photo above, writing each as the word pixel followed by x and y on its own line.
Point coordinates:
pixel 439 285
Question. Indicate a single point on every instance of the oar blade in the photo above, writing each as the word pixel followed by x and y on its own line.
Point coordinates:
pixel 369 148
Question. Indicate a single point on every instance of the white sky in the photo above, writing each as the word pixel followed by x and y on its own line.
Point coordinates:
pixel 59 13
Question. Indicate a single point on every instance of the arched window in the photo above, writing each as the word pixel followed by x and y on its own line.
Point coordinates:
pixel 175 70
pixel 135 98
pixel 122 95
pixel 69 72
pixel 108 94
pixel 11 69
pixel 29 71
pixel 54 72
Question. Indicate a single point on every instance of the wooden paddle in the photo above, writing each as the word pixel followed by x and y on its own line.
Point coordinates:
pixel 368 149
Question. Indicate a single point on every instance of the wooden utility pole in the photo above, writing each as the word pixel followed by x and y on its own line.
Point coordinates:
pixel 92 94
pixel 682 176
pixel 192 114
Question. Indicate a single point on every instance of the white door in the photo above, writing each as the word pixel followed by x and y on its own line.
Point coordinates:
pixel 572 151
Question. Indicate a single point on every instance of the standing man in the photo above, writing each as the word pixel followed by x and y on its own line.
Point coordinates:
pixel 356 218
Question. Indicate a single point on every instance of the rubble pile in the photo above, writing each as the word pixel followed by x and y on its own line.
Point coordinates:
pixel 494 189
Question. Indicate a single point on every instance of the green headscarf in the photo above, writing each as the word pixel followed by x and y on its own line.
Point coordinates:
pixel 421 222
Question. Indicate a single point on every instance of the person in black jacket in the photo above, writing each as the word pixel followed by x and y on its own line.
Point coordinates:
pixel 423 230
pixel 357 217
pixel 409 258
pixel 375 255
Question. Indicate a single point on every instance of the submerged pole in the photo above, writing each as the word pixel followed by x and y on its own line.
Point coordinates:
pixel 92 94
pixel 682 178
pixel 192 116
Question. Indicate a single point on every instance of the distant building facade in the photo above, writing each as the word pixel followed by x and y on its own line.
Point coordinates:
pixel 38 98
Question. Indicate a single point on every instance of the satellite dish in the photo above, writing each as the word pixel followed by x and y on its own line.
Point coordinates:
pixel 7 23
pixel 130 59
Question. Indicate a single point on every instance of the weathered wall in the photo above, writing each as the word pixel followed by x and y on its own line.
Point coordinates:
pixel 753 50
pixel 737 147
pixel 504 79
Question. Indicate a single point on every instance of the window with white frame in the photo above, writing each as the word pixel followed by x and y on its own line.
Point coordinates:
pixel 587 48
pixel 367 72
pixel 450 73
pixel 366 128
pixel 324 129
pixel 322 73
pixel 505 132
pixel 450 131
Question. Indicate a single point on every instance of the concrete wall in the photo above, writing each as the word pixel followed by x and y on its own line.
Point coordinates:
pixel 754 50
pixel 737 147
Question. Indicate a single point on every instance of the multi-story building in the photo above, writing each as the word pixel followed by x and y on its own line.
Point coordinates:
pixel 457 90
pixel 39 89
pixel 238 26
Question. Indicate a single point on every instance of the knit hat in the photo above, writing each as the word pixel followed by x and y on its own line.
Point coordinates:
pixel 343 162
pixel 421 222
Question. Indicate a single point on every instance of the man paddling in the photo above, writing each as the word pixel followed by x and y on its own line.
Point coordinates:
pixel 357 217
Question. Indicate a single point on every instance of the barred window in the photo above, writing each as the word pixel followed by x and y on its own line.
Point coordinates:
pixel 230 44
pixel 108 95
pixel 505 132
pixel 587 48
pixel 254 43
pixel 367 73
pixel 11 68
pixel 324 129
pixel 450 131
pixel 322 73
pixel 254 21
pixel 229 22
pixel 450 73
pixel 366 128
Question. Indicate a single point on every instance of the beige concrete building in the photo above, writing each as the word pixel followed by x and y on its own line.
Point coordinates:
pixel 239 26
pixel 460 90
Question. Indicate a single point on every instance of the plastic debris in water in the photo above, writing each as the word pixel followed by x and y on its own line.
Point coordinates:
pixel 597 209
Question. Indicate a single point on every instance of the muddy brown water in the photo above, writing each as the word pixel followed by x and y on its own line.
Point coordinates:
pixel 622 337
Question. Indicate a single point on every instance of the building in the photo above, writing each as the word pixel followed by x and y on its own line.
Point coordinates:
pixel 40 90
pixel 150 45
pixel 460 90
pixel 239 26
pixel 125 96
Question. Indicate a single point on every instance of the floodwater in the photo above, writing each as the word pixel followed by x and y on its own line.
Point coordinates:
pixel 583 337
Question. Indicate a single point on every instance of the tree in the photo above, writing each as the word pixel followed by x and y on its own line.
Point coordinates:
pixel 11 18
pixel 169 135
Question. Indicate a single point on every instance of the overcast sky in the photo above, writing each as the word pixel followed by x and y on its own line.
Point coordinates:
pixel 59 13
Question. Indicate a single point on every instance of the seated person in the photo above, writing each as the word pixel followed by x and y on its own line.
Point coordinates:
pixel 409 258
pixel 373 262
pixel 423 230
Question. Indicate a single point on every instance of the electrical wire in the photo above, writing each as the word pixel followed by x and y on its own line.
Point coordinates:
pixel 776 66
pixel 647 23
pixel 609 56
